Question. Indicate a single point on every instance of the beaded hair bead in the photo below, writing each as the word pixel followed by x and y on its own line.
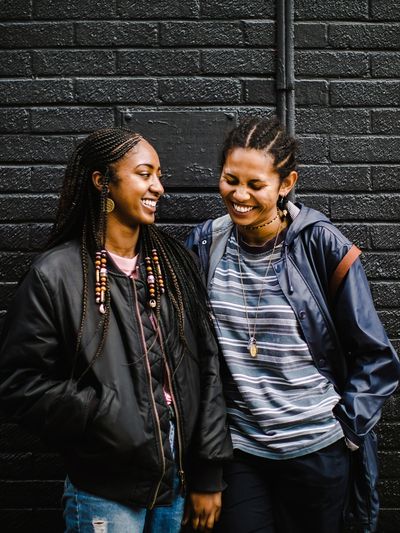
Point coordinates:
pixel 151 282
pixel 101 280
pixel 158 270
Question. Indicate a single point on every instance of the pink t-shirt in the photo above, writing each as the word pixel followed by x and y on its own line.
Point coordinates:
pixel 128 265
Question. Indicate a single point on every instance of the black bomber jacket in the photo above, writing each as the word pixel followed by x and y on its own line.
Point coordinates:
pixel 112 425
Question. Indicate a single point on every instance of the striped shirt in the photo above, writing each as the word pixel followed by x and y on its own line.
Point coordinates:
pixel 279 405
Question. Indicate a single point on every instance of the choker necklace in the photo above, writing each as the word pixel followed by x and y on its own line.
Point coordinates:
pixel 252 344
pixel 262 225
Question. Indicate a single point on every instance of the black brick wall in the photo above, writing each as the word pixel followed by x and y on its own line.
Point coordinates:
pixel 68 68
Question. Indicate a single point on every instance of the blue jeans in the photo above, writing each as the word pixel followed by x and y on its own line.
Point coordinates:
pixel 87 513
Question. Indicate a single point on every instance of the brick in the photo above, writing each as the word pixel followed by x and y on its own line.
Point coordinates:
pixel 7 291
pixel 389 492
pixel 14 120
pixel 35 35
pixel 365 207
pixel 385 178
pixel 15 64
pixel 356 233
pixel 26 148
pixel 365 149
pixel 310 35
pixel 36 91
pixel 19 207
pixel 179 231
pixel 385 64
pixel 365 93
pixel 111 33
pixel 200 90
pixel 391 321
pixel 391 411
pixel 117 90
pixel 385 10
pixel 47 179
pixel 260 91
pixel 161 9
pixel 385 237
pixel 316 201
pixel 12 266
pixel 229 9
pixel 14 237
pixel 334 178
pixel 201 34
pixel 158 62
pixel 311 93
pixel 364 36
pixel 331 64
pixel 74 63
pixel 43 520
pixel 17 494
pixel 259 33
pixel 238 62
pixel 328 120
pixel 71 119
pixel 386 294
pixel 386 121
pixel 313 149
pixel 14 179
pixel 381 266
pixel 389 464
pixel 193 207
pixel 338 10
pixel 15 465
pixel 12 9
pixel 73 9
pixel 389 520
pixel 39 234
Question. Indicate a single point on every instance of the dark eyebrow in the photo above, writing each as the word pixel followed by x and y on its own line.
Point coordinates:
pixel 147 165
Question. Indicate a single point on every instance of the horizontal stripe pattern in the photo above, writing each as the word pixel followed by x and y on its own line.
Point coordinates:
pixel 279 405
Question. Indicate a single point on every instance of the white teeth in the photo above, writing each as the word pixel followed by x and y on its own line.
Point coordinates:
pixel 149 203
pixel 242 208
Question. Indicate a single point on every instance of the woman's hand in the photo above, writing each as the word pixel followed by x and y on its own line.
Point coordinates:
pixel 202 510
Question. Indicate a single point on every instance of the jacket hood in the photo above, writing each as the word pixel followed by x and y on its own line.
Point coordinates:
pixel 302 217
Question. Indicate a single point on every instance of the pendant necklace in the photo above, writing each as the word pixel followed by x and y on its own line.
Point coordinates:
pixel 252 344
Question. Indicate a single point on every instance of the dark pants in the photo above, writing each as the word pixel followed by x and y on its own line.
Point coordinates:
pixel 302 495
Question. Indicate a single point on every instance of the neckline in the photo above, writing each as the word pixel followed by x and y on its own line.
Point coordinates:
pixel 261 248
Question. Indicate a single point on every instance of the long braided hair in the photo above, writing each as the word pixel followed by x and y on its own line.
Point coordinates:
pixel 268 135
pixel 82 215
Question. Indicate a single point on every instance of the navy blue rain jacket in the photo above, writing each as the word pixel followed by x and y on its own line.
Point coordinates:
pixel 345 336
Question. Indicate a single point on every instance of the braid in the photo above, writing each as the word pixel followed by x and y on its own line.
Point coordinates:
pixel 81 212
pixel 183 283
pixel 267 135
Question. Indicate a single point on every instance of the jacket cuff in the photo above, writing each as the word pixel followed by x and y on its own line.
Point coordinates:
pixel 206 476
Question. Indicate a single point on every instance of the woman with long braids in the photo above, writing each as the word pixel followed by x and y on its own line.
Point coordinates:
pixel 308 365
pixel 108 352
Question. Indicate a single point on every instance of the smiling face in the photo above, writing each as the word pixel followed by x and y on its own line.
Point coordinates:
pixel 135 186
pixel 250 186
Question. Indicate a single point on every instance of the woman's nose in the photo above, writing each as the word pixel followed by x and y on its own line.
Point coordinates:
pixel 241 194
pixel 156 186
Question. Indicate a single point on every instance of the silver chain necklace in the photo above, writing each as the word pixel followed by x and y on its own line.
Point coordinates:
pixel 252 344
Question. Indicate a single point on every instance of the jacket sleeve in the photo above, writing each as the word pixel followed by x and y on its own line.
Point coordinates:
pixel 212 443
pixel 373 365
pixel 35 389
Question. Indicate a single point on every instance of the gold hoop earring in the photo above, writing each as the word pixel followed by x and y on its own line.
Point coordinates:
pixel 110 205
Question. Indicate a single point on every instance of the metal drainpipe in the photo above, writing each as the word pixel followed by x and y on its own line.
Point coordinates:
pixel 285 66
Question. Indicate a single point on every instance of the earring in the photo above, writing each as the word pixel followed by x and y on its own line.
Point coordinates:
pixel 110 205
pixel 282 201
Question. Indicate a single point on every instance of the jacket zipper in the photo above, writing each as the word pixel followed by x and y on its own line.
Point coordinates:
pixel 181 471
pixel 152 399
